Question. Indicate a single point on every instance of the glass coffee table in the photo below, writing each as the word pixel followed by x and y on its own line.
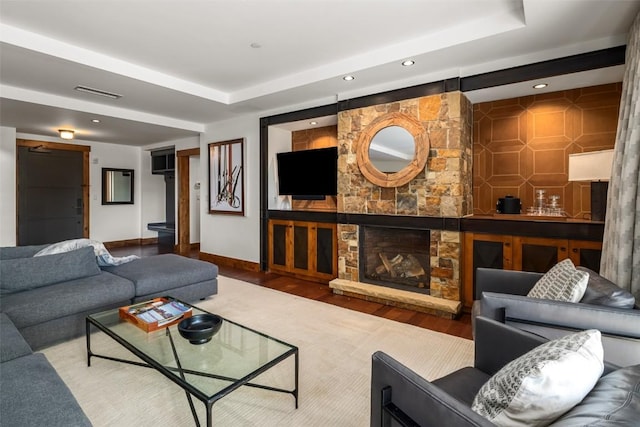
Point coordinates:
pixel 234 356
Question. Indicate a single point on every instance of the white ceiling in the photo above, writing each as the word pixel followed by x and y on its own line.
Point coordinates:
pixel 182 64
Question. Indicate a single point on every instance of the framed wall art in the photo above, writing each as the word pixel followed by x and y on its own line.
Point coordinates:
pixel 226 177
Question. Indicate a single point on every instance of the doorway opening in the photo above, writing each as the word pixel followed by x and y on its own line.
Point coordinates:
pixel 184 199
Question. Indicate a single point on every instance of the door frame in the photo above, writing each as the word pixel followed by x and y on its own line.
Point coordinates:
pixel 85 149
pixel 184 200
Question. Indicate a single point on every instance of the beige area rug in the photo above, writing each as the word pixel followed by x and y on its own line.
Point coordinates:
pixel 335 347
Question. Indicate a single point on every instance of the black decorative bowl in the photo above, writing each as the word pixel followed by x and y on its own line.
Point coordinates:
pixel 199 328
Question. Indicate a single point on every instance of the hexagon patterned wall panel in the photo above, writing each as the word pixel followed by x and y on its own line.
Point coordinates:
pixel 521 145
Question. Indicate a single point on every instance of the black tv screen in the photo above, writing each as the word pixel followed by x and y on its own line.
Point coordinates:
pixel 308 173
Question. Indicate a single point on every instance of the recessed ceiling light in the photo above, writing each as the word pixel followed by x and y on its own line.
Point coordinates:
pixel 408 62
pixel 95 120
pixel 540 85
pixel 348 78
pixel 99 92
pixel 313 123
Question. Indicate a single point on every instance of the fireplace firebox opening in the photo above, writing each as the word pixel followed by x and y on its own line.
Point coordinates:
pixel 395 257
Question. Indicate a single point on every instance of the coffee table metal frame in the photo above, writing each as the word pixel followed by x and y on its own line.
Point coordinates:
pixel 169 371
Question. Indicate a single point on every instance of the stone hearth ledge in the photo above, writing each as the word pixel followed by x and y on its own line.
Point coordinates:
pixel 396 297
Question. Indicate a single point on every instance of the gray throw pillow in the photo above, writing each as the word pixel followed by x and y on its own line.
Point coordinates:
pixel 21 274
pixel 615 400
pixel 562 283
pixel 13 252
pixel 601 291
pixel 539 386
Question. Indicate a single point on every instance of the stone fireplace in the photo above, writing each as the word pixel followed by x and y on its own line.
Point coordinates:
pixel 431 205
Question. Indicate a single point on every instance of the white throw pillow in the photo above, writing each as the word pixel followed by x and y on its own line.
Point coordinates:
pixel 562 283
pixel 539 386
pixel 103 256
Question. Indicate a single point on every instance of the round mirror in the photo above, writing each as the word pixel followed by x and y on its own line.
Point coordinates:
pixel 392 149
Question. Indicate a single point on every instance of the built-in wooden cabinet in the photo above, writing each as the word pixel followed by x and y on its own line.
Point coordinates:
pixel 302 248
pixel 538 254
pixel 586 253
pixel 485 250
pixel 522 253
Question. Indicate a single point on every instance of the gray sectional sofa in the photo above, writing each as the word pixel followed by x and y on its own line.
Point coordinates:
pixel 33 394
pixel 44 300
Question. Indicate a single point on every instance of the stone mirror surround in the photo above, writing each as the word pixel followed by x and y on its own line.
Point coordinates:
pixel 374 134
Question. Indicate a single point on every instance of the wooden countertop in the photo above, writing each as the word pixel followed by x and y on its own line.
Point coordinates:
pixel 534 226
pixel 540 218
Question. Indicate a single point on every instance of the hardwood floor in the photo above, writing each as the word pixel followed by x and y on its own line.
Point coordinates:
pixel 460 327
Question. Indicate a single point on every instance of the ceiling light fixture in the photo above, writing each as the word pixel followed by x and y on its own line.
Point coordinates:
pixel 408 62
pixel 99 92
pixel 66 133
pixel 313 123
pixel 348 78
pixel 95 120
pixel 540 85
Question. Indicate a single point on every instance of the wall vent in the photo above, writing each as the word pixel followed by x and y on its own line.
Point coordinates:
pixel 99 92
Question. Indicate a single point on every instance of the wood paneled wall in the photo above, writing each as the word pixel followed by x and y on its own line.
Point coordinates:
pixel 309 139
pixel 522 144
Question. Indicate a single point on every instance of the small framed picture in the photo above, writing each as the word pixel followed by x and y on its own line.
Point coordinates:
pixel 226 177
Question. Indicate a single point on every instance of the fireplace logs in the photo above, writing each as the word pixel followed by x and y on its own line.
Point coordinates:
pixel 400 266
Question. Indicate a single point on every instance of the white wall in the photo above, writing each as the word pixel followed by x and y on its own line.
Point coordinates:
pixel 7 186
pixel 153 186
pixel 108 223
pixel 195 182
pixel 152 189
pixel 279 142
pixel 233 236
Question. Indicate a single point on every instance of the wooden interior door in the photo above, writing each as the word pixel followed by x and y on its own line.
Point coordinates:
pixel 52 192
pixel 184 200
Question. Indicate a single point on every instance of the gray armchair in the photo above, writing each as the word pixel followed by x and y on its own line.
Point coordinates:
pixel 401 397
pixel 501 295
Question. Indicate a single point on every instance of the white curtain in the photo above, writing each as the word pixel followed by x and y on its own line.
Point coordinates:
pixel 621 244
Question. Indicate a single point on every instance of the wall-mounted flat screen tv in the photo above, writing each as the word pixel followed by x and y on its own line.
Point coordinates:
pixel 308 174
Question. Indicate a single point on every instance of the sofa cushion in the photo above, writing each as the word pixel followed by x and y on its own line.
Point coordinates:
pixel 38 395
pixel 158 273
pixel 601 291
pixel 20 274
pixel 562 283
pixel 615 400
pixel 541 385
pixel 13 344
pixel 64 299
pixel 463 384
pixel 13 252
